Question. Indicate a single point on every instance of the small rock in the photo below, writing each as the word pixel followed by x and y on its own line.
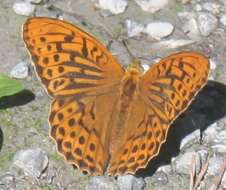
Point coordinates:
pixel 113 6
pixel 102 182
pixel 190 25
pixel 130 182
pixel 146 67
pixel 35 1
pixel 183 163
pixel 133 28
pixel 152 6
pixel 214 8
pixel 8 181
pixel 23 8
pixel 159 178
pixel 165 168
pixel 213 64
pixel 207 23
pixel 32 161
pixel 223 20
pixel 220 142
pixel 215 164
pixel 190 138
pixel 185 1
pixel 198 7
pixel 20 71
pixel 210 133
pixel 158 30
pixel 171 44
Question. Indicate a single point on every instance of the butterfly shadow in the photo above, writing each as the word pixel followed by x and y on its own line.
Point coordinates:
pixel 18 99
pixel 208 107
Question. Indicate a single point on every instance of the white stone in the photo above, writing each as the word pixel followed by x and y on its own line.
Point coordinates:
pixel 35 1
pixel 158 30
pixel 165 168
pixel 198 7
pixel 215 164
pixel 19 71
pixel 207 23
pixel 133 28
pixel 152 6
pixel 219 143
pixel 32 161
pixel 213 64
pixel 171 44
pixel 190 25
pixel 210 133
pixel 115 7
pixel 190 138
pixel 223 20
pixel 23 8
pixel 101 182
pixel 146 67
pixel 130 182
pixel 214 8
pixel 183 163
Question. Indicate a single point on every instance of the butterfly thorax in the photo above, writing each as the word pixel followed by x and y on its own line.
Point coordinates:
pixel 128 92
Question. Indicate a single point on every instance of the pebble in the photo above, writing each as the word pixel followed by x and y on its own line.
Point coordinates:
pixel 7 180
pixel 214 8
pixel 190 26
pixel 207 23
pixel 210 133
pixel 32 161
pixel 23 8
pixel 213 64
pixel 115 7
pixel 190 138
pixel 223 20
pixel 130 182
pixel 35 1
pixel 171 44
pixel 133 28
pixel 159 178
pixel 20 71
pixel 158 30
pixel 183 163
pixel 101 182
pixel 145 67
pixel 151 6
pixel 219 145
pixel 215 164
pixel 198 7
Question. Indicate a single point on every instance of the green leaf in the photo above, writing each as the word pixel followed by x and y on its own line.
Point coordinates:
pixel 9 86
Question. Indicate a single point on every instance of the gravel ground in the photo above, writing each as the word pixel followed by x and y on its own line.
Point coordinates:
pixel 28 159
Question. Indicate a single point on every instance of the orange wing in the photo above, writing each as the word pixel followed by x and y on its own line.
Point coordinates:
pixel 69 61
pixel 163 93
pixel 82 76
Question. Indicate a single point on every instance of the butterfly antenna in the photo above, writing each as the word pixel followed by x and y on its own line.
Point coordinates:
pixel 128 49
pixel 135 61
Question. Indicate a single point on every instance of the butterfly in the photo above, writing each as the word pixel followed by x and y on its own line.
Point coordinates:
pixel 104 118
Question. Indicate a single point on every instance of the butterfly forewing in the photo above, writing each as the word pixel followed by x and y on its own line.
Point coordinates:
pixel 69 61
pixel 164 92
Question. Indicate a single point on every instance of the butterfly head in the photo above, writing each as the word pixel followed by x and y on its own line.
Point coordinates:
pixel 135 66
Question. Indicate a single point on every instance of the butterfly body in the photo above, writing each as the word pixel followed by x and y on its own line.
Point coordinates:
pixel 104 118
